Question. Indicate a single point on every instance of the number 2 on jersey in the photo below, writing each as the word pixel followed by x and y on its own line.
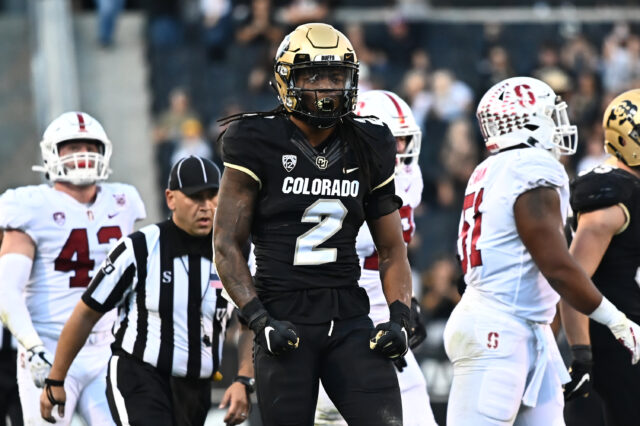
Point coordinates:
pixel 471 254
pixel 329 215
pixel 78 244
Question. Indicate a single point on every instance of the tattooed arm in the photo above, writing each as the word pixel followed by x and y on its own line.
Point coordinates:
pixel 232 225
pixel 539 223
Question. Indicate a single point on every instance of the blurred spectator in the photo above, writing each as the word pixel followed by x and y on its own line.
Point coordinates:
pixel 495 67
pixel 594 151
pixel 259 27
pixel 451 98
pixel 108 11
pixel 580 56
pixel 459 154
pixel 257 38
pixel 164 23
pixel 298 12
pixel 620 60
pixel 397 41
pixel 191 142
pixel 169 124
pixel 414 90
pixel 439 290
pixel 217 26
pixel 550 69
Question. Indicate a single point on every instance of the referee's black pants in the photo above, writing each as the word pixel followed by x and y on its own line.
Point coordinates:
pixel 139 395
pixel 361 383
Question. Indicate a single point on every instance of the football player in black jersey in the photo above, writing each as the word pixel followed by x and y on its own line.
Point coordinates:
pixel 606 208
pixel 300 180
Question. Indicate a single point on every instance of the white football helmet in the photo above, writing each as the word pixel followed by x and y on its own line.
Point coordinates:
pixel 524 110
pixel 80 168
pixel 396 114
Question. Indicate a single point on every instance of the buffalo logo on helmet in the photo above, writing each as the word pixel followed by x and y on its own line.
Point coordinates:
pixel 289 162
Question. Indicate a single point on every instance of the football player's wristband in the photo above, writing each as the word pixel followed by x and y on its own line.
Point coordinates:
pixel 253 310
pixel 52 382
pixel 399 313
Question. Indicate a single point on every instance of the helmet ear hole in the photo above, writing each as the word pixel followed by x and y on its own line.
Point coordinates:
pixel 621 141
pixel 531 127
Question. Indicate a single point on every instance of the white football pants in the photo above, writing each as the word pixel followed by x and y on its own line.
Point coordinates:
pixel 85 385
pixel 506 370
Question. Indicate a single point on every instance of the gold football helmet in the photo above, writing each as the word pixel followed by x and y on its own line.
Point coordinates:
pixel 314 52
pixel 621 124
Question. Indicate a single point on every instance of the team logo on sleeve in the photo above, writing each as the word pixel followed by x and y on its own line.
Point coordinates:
pixel 59 218
pixel 289 161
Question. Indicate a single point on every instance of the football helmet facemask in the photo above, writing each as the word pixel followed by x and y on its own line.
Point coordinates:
pixel 524 110
pixel 397 115
pixel 79 168
pixel 310 53
pixel 621 124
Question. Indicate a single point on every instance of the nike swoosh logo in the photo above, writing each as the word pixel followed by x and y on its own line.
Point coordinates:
pixel 267 331
pixel 111 216
pixel 585 378
pixel 347 171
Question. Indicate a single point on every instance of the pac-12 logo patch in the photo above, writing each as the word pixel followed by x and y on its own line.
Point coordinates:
pixel 59 218
pixel 289 161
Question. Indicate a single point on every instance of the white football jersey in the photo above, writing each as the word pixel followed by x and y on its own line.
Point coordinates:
pixel 72 239
pixel 493 258
pixel 408 187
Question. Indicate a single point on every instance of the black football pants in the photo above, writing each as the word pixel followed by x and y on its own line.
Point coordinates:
pixel 142 396
pixel 361 383
pixel 614 378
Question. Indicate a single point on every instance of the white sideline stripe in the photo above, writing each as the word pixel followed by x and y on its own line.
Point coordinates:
pixel 117 396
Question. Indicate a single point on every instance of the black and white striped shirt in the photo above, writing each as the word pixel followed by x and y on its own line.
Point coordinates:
pixel 171 312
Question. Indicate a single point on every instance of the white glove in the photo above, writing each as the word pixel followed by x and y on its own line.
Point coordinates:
pixel 40 361
pixel 626 331
pixel 628 334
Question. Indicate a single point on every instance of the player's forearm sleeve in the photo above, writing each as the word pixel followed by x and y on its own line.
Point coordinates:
pixel 14 273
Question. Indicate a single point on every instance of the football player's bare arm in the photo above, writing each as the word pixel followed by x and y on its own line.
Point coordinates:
pixel 72 338
pixel 395 272
pixel 539 223
pixel 16 259
pixel 593 235
pixel 232 225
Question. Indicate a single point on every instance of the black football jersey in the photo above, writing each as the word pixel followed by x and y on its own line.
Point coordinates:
pixel 618 275
pixel 311 204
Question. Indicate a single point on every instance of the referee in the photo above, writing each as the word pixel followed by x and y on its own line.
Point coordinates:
pixel 172 317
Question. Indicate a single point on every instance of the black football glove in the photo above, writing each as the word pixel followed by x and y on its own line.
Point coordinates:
pixel 276 337
pixel 417 329
pixel 400 363
pixel 580 372
pixel 390 338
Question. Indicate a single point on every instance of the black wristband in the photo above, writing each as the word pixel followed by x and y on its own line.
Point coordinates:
pixel 400 313
pixel 52 382
pixel 582 353
pixel 252 310
pixel 248 382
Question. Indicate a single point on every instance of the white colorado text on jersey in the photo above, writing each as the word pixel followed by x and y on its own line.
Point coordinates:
pixel 493 257
pixel 72 239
